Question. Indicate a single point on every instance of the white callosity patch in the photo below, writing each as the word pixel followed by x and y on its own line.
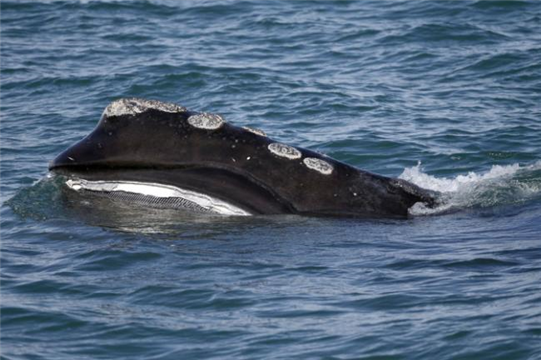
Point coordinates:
pixel 158 191
pixel 284 150
pixel 134 106
pixel 206 121
pixel 255 131
pixel 319 165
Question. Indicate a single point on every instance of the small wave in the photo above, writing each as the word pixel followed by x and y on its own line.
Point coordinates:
pixel 501 185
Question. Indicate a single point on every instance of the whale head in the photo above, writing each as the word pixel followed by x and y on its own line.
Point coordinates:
pixel 164 153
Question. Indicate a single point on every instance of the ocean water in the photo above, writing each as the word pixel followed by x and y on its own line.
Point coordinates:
pixel 444 94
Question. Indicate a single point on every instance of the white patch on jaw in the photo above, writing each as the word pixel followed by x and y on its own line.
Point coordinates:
pixel 284 150
pixel 255 131
pixel 319 165
pixel 206 121
pixel 133 106
pixel 154 190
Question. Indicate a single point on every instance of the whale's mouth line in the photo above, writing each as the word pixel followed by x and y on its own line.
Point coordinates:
pixel 157 194
pixel 243 193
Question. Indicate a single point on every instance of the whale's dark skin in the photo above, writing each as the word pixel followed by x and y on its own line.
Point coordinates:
pixel 230 163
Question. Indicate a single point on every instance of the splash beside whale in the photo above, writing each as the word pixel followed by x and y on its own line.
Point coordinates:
pixel 162 153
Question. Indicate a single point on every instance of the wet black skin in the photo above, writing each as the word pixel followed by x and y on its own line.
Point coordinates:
pixel 232 164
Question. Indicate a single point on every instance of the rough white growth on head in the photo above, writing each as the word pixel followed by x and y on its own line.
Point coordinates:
pixel 255 131
pixel 319 165
pixel 284 150
pixel 206 121
pixel 133 106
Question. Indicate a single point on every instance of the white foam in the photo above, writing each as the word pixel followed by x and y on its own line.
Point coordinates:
pixel 133 106
pixel 499 185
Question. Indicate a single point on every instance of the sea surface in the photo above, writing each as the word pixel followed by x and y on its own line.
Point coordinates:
pixel 446 94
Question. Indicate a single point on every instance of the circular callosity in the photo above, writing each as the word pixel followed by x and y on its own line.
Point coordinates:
pixel 319 165
pixel 285 151
pixel 206 121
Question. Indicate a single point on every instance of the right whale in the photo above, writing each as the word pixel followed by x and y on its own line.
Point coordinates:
pixel 165 155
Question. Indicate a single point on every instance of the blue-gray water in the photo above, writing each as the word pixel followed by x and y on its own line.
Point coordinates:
pixel 383 86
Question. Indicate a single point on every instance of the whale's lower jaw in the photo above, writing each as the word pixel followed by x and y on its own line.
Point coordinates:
pixel 199 189
pixel 158 195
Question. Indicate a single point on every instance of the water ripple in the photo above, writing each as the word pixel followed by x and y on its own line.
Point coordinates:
pixel 382 86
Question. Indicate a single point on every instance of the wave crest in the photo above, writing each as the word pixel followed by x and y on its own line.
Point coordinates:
pixel 501 185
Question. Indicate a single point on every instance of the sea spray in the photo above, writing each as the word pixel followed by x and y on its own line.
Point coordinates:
pixel 501 185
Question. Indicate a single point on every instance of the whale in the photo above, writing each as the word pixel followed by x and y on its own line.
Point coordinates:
pixel 164 155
